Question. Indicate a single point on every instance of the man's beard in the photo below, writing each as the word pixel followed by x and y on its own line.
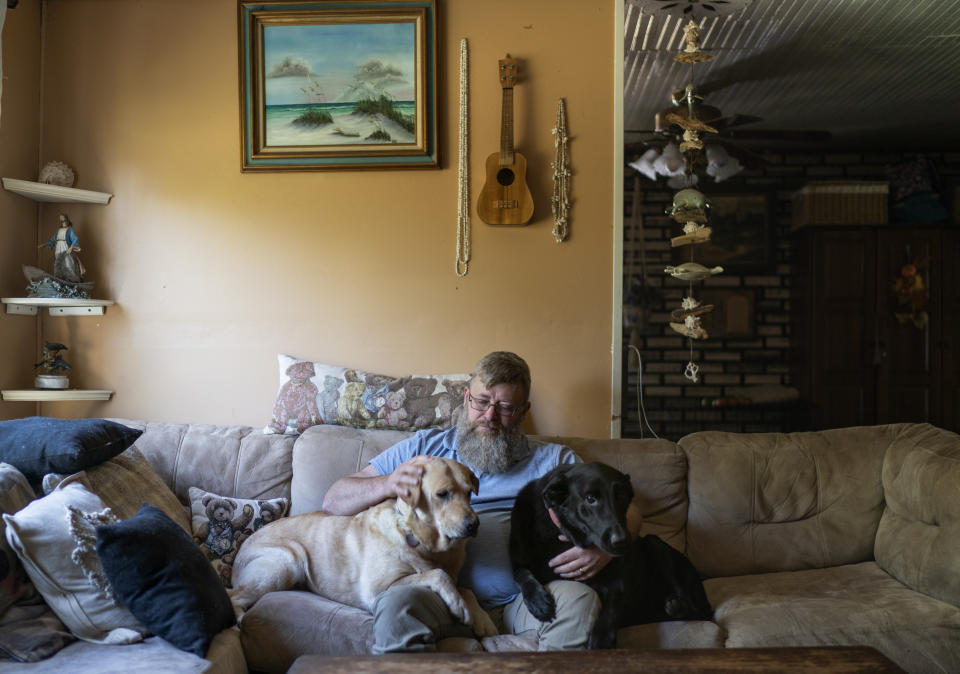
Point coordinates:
pixel 490 453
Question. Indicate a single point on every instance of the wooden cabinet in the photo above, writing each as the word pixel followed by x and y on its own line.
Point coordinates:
pixel 853 360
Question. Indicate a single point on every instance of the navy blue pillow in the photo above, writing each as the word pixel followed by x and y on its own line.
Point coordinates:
pixel 39 445
pixel 162 577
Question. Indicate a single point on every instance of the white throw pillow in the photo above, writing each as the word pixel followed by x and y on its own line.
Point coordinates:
pixel 51 536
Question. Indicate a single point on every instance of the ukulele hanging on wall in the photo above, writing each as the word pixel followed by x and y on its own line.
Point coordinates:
pixel 505 198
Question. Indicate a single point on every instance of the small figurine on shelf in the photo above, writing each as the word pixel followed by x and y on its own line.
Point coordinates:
pixel 66 279
pixel 54 365
pixel 66 245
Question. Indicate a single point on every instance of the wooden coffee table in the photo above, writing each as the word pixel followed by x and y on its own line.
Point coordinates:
pixel 831 660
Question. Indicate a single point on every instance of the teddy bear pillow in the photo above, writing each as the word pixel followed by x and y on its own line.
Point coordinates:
pixel 316 393
pixel 220 525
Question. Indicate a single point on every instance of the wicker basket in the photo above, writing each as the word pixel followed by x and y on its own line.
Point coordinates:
pixel 841 202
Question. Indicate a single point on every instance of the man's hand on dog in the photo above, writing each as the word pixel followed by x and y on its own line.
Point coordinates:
pixel 579 563
pixel 407 476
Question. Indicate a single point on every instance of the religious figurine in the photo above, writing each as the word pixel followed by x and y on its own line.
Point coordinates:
pixel 65 244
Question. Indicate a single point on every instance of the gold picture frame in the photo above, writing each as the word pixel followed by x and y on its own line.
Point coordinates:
pixel 328 85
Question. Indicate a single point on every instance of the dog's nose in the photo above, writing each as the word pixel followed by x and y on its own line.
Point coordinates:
pixel 619 540
pixel 472 526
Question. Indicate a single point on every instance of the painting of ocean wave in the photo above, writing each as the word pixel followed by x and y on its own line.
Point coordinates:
pixel 362 122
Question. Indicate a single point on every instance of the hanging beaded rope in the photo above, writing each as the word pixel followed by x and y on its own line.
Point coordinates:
pixel 463 174
pixel 560 202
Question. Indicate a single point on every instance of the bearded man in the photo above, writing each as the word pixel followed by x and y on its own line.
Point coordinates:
pixel 488 438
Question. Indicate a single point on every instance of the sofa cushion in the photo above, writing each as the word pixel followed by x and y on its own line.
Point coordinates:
pixel 282 626
pixel 41 445
pixel 150 656
pixel 672 634
pixel 317 393
pixel 164 579
pixel 235 461
pixel 125 482
pixel 762 502
pixel 855 604
pixel 324 454
pixel 42 538
pixel 220 525
pixel 918 541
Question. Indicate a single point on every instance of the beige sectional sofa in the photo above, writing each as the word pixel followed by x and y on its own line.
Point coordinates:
pixel 840 537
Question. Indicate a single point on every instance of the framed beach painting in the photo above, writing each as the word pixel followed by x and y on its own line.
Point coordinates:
pixel 331 84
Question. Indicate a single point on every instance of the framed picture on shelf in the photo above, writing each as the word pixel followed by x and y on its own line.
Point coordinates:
pixel 733 312
pixel 338 85
pixel 741 240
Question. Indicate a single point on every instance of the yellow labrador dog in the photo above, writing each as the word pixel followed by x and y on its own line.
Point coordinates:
pixel 419 540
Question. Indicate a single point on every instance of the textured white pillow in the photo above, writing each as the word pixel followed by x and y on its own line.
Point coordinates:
pixel 49 538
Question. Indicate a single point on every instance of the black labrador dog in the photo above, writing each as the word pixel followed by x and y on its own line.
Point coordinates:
pixel 647 580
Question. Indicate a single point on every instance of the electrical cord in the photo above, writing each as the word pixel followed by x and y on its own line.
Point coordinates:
pixel 641 412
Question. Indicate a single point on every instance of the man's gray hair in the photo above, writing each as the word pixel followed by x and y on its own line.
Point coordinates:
pixel 504 367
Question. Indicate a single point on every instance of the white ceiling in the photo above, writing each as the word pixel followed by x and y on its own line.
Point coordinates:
pixel 876 74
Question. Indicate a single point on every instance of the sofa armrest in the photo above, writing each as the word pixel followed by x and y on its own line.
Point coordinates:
pixel 918 541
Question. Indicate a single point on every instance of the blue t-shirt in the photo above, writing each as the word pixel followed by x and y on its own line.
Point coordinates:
pixel 487 570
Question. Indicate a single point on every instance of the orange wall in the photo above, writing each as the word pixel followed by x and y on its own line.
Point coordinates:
pixel 19 139
pixel 216 271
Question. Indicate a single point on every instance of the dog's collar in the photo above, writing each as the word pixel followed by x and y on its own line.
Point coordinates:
pixel 411 540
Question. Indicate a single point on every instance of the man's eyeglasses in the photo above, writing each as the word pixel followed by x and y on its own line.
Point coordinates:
pixel 482 405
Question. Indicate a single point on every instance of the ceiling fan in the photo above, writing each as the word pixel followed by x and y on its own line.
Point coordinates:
pixel 719 130
pixel 688 104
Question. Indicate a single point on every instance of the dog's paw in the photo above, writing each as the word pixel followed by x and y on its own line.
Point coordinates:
pixel 459 609
pixel 540 603
pixel 482 625
pixel 679 607
pixel 673 606
pixel 479 621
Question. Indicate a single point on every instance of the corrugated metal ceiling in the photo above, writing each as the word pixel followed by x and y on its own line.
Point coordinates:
pixel 874 73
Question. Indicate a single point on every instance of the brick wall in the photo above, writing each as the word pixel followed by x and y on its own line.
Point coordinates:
pixel 675 406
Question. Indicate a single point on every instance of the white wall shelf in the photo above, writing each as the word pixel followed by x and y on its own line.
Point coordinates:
pixel 55 193
pixel 54 395
pixel 56 306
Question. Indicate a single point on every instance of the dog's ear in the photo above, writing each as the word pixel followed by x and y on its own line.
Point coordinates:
pixel 468 478
pixel 556 489
pixel 414 498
